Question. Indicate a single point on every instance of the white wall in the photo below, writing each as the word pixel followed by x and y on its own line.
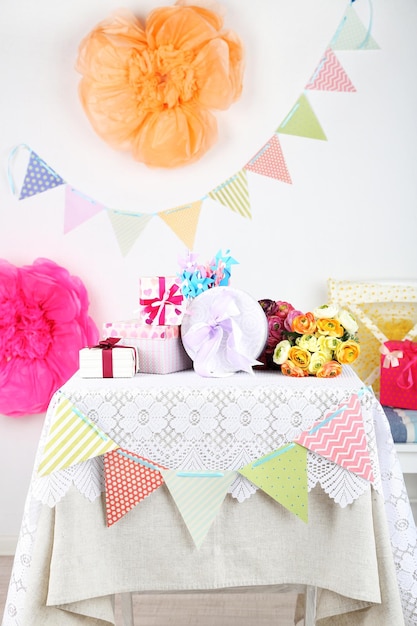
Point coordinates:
pixel 349 212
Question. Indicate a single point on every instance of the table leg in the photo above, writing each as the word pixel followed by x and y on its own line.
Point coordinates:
pixel 127 609
pixel 310 602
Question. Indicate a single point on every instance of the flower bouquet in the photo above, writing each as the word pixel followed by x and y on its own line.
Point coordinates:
pixel 316 343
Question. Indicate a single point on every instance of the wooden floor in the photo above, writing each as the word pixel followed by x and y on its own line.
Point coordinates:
pixel 217 609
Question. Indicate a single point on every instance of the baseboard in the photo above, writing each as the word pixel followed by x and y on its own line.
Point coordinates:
pixel 8 545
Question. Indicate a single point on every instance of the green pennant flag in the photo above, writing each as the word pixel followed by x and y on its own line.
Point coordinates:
pixel 127 228
pixel 352 34
pixel 234 194
pixel 198 496
pixel 282 474
pixel 302 121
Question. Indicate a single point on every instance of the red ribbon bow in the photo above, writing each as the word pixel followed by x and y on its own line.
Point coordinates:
pixel 155 307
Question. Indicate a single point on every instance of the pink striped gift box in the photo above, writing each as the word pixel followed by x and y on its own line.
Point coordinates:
pixel 160 347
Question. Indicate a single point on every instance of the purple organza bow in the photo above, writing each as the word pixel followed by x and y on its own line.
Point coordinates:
pixel 204 339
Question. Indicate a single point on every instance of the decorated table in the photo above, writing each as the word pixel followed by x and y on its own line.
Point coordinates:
pixel 182 483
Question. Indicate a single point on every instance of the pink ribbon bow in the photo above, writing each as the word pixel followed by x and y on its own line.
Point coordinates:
pixel 155 307
pixel 204 339
pixel 391 359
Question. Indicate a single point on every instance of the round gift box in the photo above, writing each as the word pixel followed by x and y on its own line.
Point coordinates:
pixel 251 324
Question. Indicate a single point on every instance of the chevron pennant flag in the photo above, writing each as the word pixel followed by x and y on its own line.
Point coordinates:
pixel 183 220
pixel 269 161
pixel 73 438
pixel 39 177
pixel 198 496
pixel 282 474
pixel 234 194
pixel 341 438
pixel 128 227
pixel 330 75
pixel 352 34
pixel 302 121
pixel 78 208
pixel 129 478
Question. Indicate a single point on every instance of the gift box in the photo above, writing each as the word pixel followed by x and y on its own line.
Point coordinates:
pixel 109 359
pixel 161 300
pixel 160 347
pixel 224 330
pixel 398 386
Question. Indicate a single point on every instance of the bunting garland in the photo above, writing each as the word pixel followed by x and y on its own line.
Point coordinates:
pixel 282 473
pixel 233 193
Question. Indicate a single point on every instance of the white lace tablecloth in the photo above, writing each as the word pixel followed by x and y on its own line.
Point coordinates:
pixel 183 421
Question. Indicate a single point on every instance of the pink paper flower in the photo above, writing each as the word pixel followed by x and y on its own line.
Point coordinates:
pixel 44 322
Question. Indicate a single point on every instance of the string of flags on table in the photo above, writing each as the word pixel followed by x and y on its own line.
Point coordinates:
pixel 282 473
pixel 233 193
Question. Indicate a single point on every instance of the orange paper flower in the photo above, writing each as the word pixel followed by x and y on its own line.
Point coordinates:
pixel 149 89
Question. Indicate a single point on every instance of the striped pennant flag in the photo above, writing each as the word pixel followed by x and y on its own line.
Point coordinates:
pixel 341 438
pixel 234 194
pixel 128 227
pixel 73 438
pixel 282 474
pixel 198 496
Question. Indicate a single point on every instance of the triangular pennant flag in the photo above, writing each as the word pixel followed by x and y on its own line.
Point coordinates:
pixel 341 438
pixel 352 34
pixel 39 177
pixel 73 438
pixel 282 474
pixel 183 220
pixel 198 496
pixel 78 208
pixel 330 75
pixel 127 228
pixel 234 194
pixel 129 478
pixel 302 121
pixel 269 161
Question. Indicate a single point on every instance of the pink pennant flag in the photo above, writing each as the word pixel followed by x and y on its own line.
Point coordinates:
pixel 269 161
pixel 129 478
pixel 330 75
pixel 78 208
pixel 341 438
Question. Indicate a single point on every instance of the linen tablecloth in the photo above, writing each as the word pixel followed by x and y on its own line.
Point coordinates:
pixel 67 557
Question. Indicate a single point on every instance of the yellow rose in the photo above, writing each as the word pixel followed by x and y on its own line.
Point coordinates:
pixel 318 359
pixel 307 342
pixel 330 326
pixel 299 356
pixel 290 369
pixel 281 352
pixel 347 351
pixel 331 369
pixel 304 324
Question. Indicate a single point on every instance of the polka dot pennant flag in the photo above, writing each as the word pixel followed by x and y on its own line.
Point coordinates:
pixel 269 161
pixel 39 177
pixel 352 34
pixel 198 496
pixel 129 478
pixel 282 474
pixel 341 438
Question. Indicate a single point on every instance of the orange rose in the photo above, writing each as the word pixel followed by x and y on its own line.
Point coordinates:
pixel 149 88
pixel 290 369
pixel 304 324
pixel 299 357
pixel 330 326
pixel 347 351
pixel 331 369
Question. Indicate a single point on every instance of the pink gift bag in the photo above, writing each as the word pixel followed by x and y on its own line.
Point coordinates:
pixel 399 374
